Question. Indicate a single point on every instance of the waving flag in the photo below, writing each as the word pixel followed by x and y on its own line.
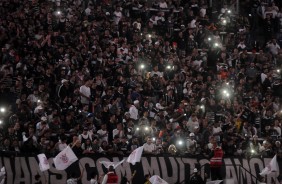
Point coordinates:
pixel 65 158
pixel 271 167
pixel 108 164
pixel 135 156
pixel 157 180
pixel 43 162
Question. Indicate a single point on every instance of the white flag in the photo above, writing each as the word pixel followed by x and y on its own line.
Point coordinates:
pixel 135 156
pixel 43 162
pixel 157 180
pixel 108 164
pixel 272 166
pixel 64 159
pixel 214 182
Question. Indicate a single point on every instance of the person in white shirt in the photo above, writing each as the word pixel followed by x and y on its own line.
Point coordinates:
pixel 192 123
pixel 191 144
pixel 117 15
pixel 133 110
pixel 149 147
pixel 162 4
pixel 273 47
pixel 216 131
pixel 103 133
pixel 85 91
pixel 119 131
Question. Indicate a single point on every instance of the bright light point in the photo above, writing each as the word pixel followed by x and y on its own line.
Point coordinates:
pixel 278 70
pixel 142 66
pixel 202 107
pixel 229 11
pixel 227 83
pixel 38 101
pixel 168 67
pixel 224 91
pixel 146 128
pixel 252 151
pixel 141 34
pixel 137 129
pixel 59 12
pixel 1 122
pixel 154 139
pixel 227 94
pixel 180 142
pixel 216 45
pixel 2 109
pixel 224 21
pixel 209 38
pixel 149 36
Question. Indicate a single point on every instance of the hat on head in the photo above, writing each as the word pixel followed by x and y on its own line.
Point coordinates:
pixel 63 81
pixel 159 106
pixel 43 118
pixel 195 170
pixel 191 134
pixel 136 102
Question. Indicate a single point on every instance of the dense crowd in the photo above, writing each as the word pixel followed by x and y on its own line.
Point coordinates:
pixel 108 76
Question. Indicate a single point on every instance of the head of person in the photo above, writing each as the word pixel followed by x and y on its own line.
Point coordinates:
pixel 111 168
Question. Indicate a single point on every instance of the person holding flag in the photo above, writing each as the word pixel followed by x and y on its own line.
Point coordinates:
pixel 111 177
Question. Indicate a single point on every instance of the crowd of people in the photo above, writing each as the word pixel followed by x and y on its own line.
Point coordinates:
pixel 106 77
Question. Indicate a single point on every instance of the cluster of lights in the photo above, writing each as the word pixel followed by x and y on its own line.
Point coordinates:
pixel 146 128
pixel 226 93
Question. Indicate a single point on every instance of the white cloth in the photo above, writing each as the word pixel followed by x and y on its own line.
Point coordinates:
pixel 64 159
pixel 85 91
pixel 271 167
pixel 43 162
pixel 157 180
pixel 114 164
pixel 135 156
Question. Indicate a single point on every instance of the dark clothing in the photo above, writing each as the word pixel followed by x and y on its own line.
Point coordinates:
pixel 196 179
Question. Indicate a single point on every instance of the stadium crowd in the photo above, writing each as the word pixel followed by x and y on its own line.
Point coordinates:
pixel 108 76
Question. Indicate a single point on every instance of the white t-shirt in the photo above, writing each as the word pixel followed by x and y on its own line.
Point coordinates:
pixel 85 91
pixel 117 16
pixel 133 112
pixel 103 133
pixel 120 133
pixel 149 147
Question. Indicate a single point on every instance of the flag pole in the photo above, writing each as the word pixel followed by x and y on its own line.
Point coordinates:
pixel 74 143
